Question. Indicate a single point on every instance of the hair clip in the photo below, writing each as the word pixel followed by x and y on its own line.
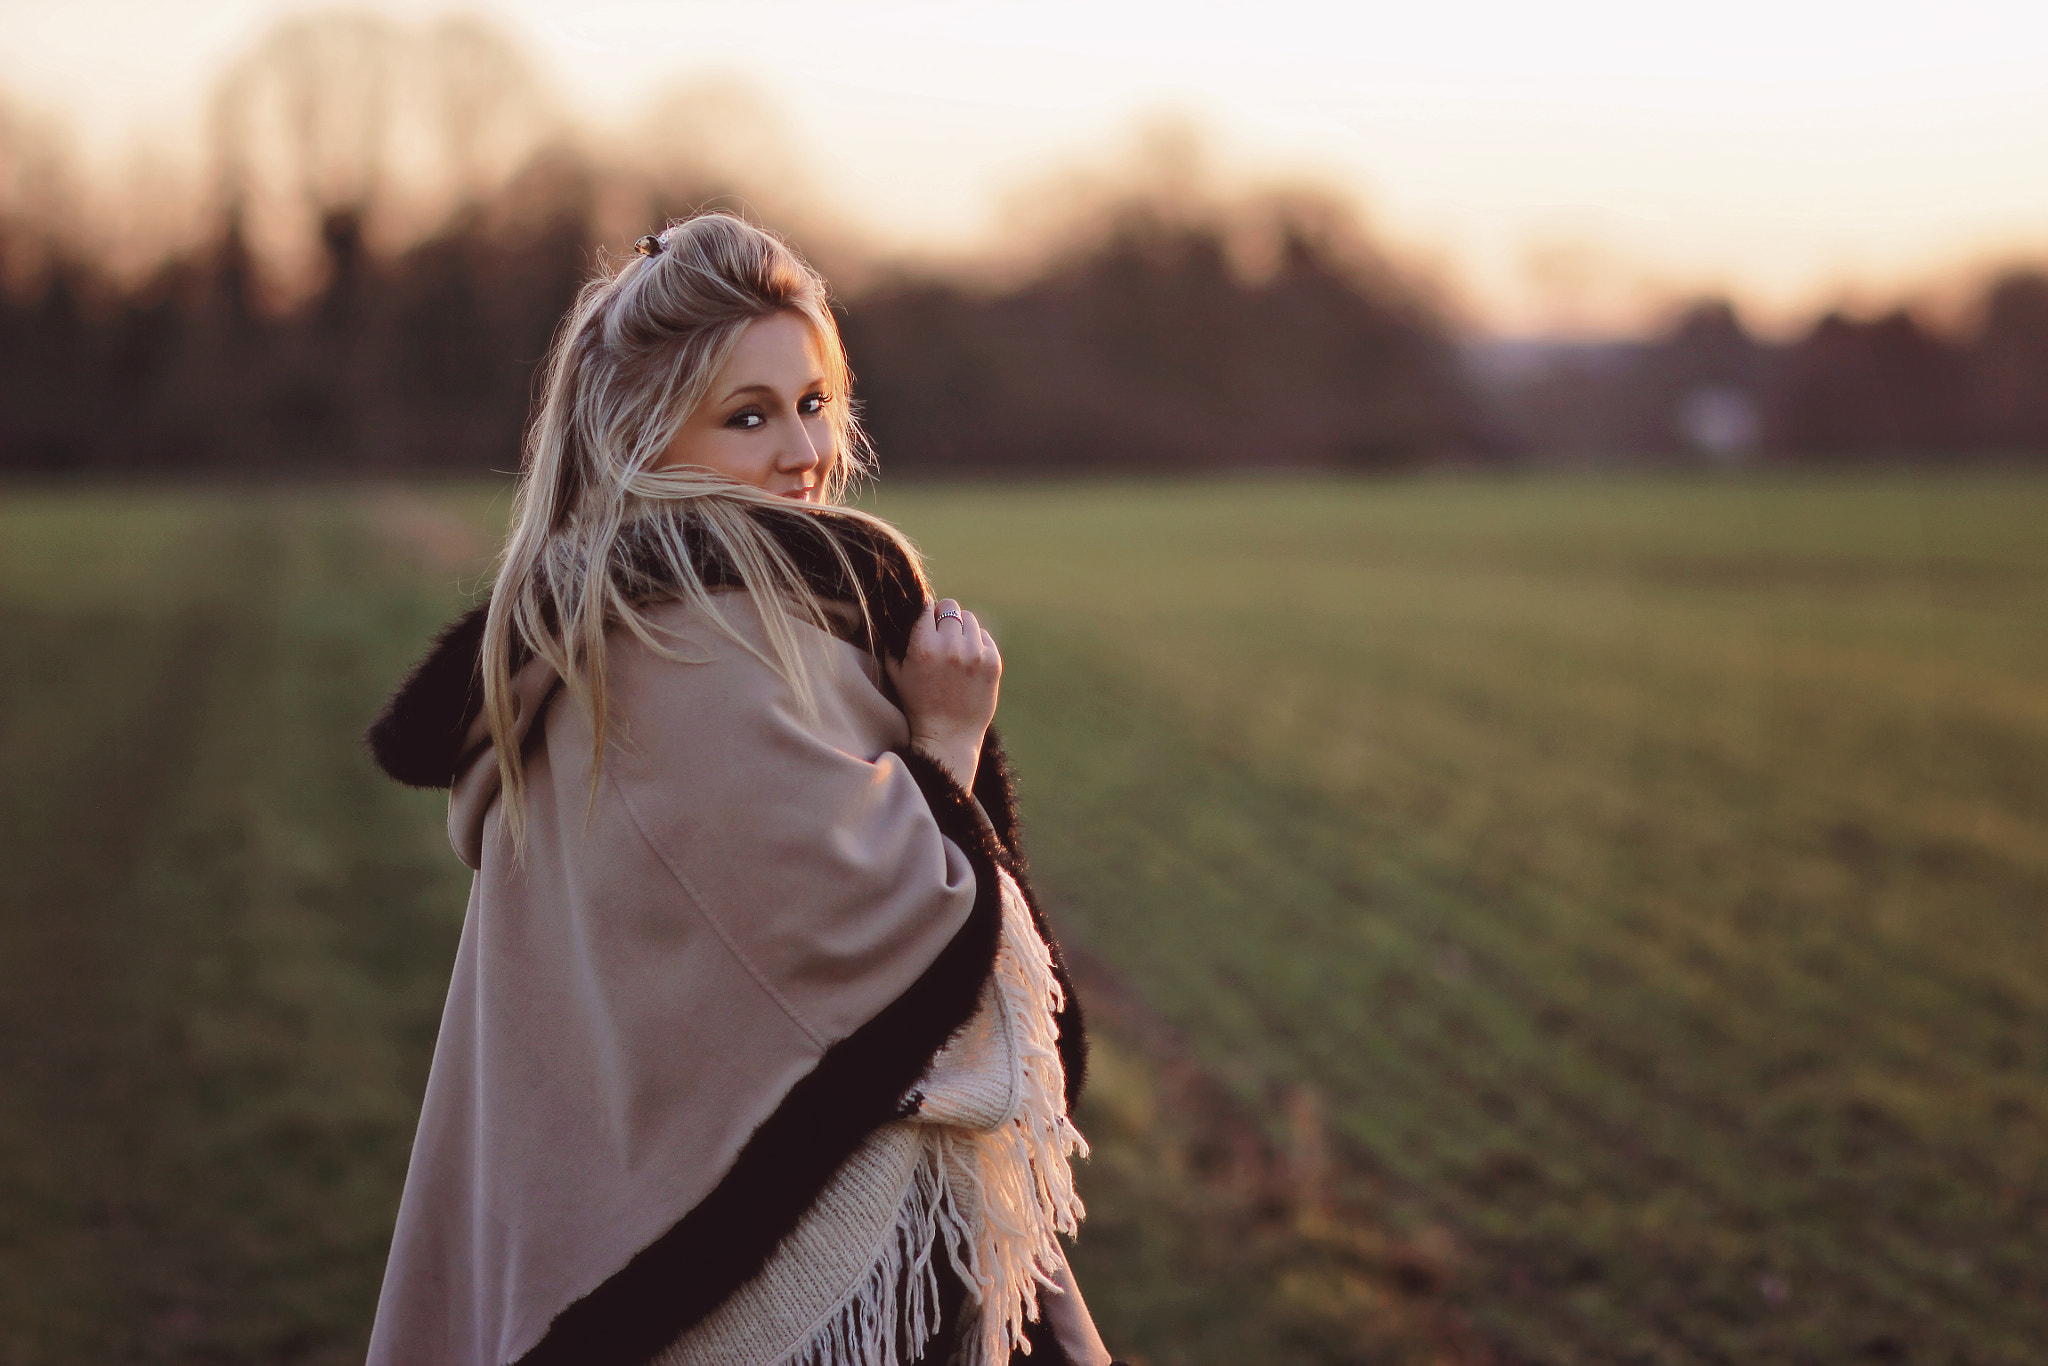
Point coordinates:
pixel 650 245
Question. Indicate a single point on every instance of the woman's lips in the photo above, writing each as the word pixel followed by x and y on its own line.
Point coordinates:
pixel 802 495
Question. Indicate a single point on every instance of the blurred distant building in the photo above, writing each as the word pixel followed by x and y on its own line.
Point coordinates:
pixel 1721 422
pixel 1699 391
pixel 1848 391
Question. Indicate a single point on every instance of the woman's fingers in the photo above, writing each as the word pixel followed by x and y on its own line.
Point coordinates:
pixel 956 633
pixel 948 680
pixel 925 634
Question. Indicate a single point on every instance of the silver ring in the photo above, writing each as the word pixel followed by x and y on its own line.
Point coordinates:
pixel 952 612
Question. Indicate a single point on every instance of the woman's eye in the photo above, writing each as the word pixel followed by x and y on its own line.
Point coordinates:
pixel 746 419
pixel 813 404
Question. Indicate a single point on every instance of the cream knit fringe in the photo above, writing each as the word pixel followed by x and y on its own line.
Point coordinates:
pixel 982 1177
pixel 1011 1190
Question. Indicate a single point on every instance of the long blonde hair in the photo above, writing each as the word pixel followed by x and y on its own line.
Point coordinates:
pixel 596 529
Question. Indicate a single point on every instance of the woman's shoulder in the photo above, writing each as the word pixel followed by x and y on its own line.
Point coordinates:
pixel 728 627
pixel 712 665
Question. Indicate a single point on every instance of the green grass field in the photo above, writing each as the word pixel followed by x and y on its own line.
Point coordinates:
pixel 1635 889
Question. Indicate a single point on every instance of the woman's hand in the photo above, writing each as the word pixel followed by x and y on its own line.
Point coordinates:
pixel 947 683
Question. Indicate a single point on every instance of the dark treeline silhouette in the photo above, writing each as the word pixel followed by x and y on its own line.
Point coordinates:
pixel 1147 350
pixel 397 327
pixel 1848 391
pixel 1147 342
pixel 416 362
pixel 1151 351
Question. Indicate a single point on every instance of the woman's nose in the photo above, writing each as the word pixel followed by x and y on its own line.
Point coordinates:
pixel 799 451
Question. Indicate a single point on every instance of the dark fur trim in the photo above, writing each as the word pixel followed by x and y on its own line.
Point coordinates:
pixel 417 738
pixel 687 1272
pixel 995 787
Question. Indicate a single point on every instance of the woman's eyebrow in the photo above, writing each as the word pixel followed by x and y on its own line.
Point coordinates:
pixel 815 382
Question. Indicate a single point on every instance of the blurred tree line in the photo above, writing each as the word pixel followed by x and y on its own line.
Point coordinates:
pixel 305 329
pixel 1884 390
pixel 392 220
pixel 1147 351
pixel 1150 348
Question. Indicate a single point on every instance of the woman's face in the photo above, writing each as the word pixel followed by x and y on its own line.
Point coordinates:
pixel 763 421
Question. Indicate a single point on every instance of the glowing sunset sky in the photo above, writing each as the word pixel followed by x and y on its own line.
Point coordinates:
pixel 1574 164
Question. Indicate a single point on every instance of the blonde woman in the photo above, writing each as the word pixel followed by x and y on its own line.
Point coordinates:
pixel 757 1048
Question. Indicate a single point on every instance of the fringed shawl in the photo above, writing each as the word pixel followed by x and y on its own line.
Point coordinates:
pixel 975 1178
pixel 705 986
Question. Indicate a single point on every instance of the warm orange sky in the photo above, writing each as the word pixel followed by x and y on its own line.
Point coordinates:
pixel 1573 165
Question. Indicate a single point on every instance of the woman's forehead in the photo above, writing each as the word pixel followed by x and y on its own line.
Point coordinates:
pixel 783 342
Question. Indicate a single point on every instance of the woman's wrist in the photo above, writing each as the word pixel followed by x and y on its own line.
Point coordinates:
pixel 959 755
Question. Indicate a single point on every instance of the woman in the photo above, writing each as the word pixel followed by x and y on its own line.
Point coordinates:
pixel 757 1048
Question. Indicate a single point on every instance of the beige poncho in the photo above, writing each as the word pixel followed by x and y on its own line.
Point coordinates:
pixel 755 1040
